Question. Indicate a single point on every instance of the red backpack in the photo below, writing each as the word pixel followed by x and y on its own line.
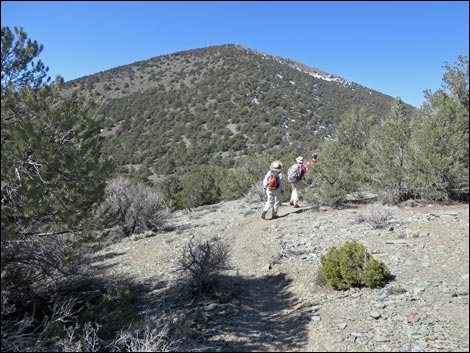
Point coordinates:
pixel 272 181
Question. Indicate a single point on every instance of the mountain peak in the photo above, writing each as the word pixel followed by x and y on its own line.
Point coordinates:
pixel 237 100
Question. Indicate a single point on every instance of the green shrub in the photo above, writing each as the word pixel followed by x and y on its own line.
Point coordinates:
pixel 202 186
pixel 352 260
pixel 331 269
pixel 375 274
pixel 351 266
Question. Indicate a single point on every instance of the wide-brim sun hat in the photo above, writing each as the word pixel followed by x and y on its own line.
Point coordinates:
pixel 300 159
pixel 276 166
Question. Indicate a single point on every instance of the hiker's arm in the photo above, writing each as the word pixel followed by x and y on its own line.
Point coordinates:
pixel 265 180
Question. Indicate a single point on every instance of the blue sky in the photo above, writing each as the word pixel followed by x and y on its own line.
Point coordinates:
pixel 396 47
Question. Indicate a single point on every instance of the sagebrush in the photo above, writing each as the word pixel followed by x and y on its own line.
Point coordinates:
pixel 203 261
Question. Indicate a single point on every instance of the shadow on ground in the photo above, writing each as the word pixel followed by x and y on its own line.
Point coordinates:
pixel 97 261
pixel 239 315
pixel 295 211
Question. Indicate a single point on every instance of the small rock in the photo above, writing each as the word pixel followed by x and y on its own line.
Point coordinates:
pixel 412 318
pixel 379 338
pixel 375 314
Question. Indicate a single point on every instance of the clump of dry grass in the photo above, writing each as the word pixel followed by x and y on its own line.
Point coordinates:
pixel 377 216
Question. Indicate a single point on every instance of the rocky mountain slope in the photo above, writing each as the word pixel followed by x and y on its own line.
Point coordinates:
pixel 214 104
pixel 271 300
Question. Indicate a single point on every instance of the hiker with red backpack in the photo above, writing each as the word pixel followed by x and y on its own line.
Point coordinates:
pixel 274 185
pixel 295 176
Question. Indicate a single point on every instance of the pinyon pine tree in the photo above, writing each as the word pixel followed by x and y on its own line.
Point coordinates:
pixel 51 167
pixel 441 137
pixel 52 174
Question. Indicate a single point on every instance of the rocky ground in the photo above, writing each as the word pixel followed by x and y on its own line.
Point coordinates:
pixel 271 299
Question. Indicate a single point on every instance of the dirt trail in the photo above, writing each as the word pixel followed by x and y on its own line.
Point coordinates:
pixel 272 317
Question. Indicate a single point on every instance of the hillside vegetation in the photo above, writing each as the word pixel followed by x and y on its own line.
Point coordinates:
pixel 211 105
pixel 193 119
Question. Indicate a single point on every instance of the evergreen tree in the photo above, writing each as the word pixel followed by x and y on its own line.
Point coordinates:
pixel 344 164
pixel 441 137
pixel 17 53
pixel 52 174
pixel 202 186
pixel 455 80
pixel 51 167
pixel 391 156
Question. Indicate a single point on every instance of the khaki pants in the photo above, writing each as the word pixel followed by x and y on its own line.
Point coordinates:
pixel 297 189
pixel 274 200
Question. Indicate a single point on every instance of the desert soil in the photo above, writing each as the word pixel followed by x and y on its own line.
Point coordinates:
pixel 271 300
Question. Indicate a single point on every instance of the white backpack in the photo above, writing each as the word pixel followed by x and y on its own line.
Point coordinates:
pixel 294 173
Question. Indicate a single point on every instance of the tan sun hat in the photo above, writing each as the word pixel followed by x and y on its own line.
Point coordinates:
pixel 276 166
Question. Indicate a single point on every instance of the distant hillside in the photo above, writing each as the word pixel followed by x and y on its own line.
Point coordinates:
pixel 214 104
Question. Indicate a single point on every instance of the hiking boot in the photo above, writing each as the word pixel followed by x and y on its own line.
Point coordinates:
pixel 275 216
pixel 296 206
pixel 263 215
pixel 291 203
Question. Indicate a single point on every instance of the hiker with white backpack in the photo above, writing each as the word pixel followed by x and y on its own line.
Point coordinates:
pixel 295 176
pixel 274 185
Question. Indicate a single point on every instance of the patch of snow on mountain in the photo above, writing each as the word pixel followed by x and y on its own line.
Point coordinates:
pixel 328 78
